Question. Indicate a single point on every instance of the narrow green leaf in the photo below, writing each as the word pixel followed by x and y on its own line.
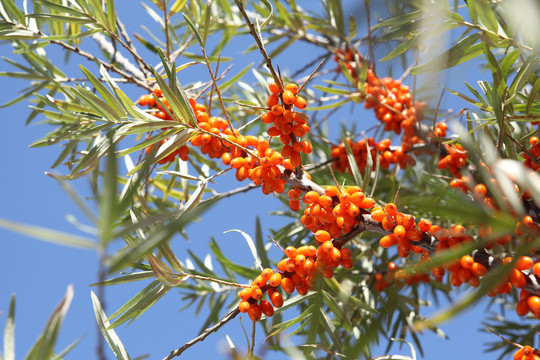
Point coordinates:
pixel 161 235
pixel 111 15
pixel 353 28
pixel 260 244
pixel 194 29
pixel 9 332
pixel 43 348
pixel 353 164
pixel 110 335
pixel 246 272
pixel 486 15
pixel 48 235
pixel 138 276
pixel 103 91
pixel 207 20
pixel 177 7
pixel 533 94
pixel 401 48
pixel 234 80
pixel 61 18
pixel 461 52
pixel 143 304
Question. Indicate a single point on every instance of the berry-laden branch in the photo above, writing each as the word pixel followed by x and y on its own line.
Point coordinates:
pixel 335 215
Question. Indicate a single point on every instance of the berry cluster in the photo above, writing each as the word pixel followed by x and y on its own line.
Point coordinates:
pixel 387 154
pixel 288 125
pixel 333 213
pixel 298 270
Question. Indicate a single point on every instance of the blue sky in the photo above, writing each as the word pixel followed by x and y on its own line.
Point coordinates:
pixel 38 273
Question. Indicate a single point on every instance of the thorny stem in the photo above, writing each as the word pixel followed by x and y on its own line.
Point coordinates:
pixel 230 315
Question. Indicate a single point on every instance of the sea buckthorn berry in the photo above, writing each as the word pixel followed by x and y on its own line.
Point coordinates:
pixel 325 200
pixel 478 269
pixel 291 252
pixel 311 197
pixel 388 241
pixel 288 285
pixel 424 225
pixel 276 299
pixel 480 191
pixel 331 191
pixel 266 273
pixel 288 97
pixel 266 308
pixel 517 279
pixel 390 209
pixel 256 292
pixel 308 265
pixel 272 100
pixel 327 246
pixel 275 279
pixel 292 87
pixel 346 263
pixel 300 102
pixel 534 303
pixel 300 259
pixel 273 87
pixel 345 253
pixel 245 294
pixel 536 269
pixel 254 312
pixel 322 236
pixel 524 263
pixel 399 232
pixel 290 265
pixel 244 306
pixel 466 261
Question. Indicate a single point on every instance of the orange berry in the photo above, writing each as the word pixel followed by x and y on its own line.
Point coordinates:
pixel 287 284
pixel 327 246
pixel 467 261
pixel 291 252
pixel 331 191
pixel 300 259
pixel 274 88
pixel 390 209
pixel 300 102
pixel 292 87
pixel 245 294
pixel 266 308
pixel 517 279
pixel 536 269
pixel 244 306
pixel 424 225
pixel 256 292
pixel 288 97
pixel 534 303
pixel 524 263
pixel 254 312
pixel 266 274
pixel 478 269
pixel 311 197
pixel 272 100
pixel 275 279
pixel 276 299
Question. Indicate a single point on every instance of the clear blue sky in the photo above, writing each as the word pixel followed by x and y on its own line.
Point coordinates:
pixel 39 272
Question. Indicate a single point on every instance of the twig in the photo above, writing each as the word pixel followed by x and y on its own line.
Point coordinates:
pixel 260 44
pixel 115 56
pixel 231 315
pixel 126 37
pixel 250 352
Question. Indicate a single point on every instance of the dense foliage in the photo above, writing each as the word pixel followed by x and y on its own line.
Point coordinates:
pixel 427 198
